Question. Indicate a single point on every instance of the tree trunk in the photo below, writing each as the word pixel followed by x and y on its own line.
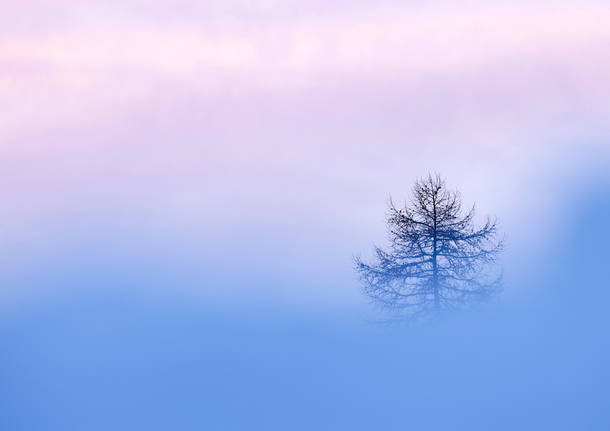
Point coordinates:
pixel 434 263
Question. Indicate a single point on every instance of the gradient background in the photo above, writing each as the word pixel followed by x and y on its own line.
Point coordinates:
pixel 184 185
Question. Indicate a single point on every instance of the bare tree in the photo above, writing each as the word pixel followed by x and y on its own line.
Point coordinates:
pixel 437 259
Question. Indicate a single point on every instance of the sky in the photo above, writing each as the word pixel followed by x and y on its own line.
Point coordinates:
pixel 185 186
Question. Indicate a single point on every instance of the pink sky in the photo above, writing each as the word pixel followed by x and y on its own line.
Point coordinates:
pixel 298 114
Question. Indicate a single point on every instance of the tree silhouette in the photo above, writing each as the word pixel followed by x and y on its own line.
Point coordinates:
pixel 437 259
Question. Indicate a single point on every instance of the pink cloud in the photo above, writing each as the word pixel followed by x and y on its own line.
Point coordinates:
pixel 74 73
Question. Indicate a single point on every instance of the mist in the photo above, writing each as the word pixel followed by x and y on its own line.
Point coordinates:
pixel 111 357
pixel 185 187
